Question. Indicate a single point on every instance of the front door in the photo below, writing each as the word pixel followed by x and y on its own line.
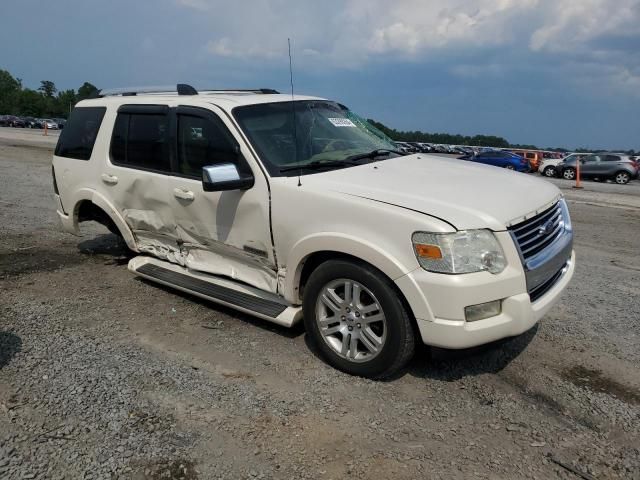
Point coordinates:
pixel 222 233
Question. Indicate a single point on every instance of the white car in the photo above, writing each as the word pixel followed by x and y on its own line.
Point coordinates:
pixel 293 209
pixel 50 124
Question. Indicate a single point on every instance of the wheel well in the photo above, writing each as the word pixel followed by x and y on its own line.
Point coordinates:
pixel 315 259
pixel 87 211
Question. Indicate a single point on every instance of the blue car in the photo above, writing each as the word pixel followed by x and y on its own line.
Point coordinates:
pixel 499 158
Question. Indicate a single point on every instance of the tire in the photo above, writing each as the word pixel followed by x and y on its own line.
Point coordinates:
pixel 622 178
pixel 508 166
pixel 381 347
pixel 549 172
pixel 569 173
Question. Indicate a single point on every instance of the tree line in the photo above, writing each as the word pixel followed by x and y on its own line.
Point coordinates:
pixel 46 101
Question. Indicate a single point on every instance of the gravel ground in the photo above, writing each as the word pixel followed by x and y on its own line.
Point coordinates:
pixel 103 375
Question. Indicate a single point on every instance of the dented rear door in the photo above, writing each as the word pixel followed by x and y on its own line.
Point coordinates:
pixel 135 178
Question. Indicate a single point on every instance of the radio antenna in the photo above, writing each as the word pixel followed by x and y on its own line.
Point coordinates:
pixel 293 111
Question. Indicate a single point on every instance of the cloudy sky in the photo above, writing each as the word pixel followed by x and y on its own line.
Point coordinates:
pixel 549 72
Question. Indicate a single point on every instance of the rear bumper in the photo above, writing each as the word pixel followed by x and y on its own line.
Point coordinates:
pixel 518 314
pixel 67 221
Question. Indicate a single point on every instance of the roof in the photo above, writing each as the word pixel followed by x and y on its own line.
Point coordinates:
pixel 224 100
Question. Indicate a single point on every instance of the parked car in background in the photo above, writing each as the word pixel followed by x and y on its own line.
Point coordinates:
pixel 534 158
pixel 549 166
pixel 12 121
pixel 499 158
pixel 602 166
pixel 61 122
pixel 32 122
pixel 50 124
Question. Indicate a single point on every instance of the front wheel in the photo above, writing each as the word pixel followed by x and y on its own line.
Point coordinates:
pixel 569 173
pixel 508 166
pixel 549 172
pixel 355 318
pixel 622 178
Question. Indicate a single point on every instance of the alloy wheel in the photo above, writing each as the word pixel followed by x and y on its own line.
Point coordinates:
pixel 622 178
pixel 350 320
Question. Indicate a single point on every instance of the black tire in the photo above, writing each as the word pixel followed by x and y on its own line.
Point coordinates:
pixel 549 171
pixel 399 346
pixel 621 178
pixel 569 173
pixel 508 166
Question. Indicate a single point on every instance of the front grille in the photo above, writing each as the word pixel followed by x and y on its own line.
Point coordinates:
pixel 538 232
pixel 540 290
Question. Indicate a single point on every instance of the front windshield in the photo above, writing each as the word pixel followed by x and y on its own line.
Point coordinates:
pixel 324 132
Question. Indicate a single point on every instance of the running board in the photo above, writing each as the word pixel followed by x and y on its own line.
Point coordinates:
pixel 224 291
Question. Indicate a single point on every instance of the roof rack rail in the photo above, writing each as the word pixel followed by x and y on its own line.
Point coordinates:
pixel 180 89
pixel 264 91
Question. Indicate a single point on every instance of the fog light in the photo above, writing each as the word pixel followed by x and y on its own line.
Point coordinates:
pixel 482 310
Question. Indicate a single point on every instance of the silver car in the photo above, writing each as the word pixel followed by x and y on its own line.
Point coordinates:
pixel 602 166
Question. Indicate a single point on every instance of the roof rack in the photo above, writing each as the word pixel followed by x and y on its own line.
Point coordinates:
pixel 180 89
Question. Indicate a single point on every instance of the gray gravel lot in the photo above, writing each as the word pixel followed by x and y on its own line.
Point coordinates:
pixel 103 375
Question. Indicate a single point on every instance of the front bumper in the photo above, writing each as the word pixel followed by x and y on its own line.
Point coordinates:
pixel 438 302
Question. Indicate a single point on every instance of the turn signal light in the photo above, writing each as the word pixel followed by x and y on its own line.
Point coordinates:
pixel 428 251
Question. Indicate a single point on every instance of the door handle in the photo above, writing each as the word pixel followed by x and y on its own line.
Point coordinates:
pixel 109 179
pixel 183 194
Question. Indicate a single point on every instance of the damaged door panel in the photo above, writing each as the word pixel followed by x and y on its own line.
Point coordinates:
pixel 136 178
pixel 223 233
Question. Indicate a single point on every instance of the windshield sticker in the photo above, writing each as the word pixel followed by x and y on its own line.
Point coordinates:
pixel 341 122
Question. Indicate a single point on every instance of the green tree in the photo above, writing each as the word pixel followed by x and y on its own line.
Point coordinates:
pixel 65 101
pixel 87 90
pixel 31 103
pixel 48 88
pixel 9 89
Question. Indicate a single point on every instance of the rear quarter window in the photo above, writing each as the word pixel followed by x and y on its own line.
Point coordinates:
pixel 80 132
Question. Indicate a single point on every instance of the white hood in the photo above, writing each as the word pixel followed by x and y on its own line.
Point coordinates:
pixel 465 194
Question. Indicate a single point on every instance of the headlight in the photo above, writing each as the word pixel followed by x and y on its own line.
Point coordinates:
pixel 565 219
pixel 460 252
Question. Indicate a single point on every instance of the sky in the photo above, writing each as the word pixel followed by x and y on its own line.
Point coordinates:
pixel 545 72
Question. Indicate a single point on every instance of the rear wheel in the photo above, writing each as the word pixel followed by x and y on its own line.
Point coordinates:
pixel 355 318
pixel 622 178
pixel 549 172
pixel 569 173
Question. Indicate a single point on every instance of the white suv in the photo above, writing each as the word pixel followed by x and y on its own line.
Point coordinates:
pixel 294 208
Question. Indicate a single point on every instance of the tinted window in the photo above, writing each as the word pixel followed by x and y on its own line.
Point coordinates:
pixel 203 141
pixel 140 140
pixel 79 134
pixel 611 158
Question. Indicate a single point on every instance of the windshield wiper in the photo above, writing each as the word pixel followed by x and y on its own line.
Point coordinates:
pixel 320 164
pixel 380 152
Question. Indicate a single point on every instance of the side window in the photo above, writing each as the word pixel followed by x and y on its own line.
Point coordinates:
pixel 203 140
pixel 141 140
pixel 80 132
pixel 611 158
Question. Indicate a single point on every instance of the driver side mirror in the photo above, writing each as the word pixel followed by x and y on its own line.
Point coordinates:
pixel 225 176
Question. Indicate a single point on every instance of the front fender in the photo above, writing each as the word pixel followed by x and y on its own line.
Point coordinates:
pixel 342 244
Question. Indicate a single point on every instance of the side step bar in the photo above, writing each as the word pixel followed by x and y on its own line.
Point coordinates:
pixel 217 289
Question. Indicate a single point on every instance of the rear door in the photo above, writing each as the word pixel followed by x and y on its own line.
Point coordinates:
pixel 135 177
pixel 222 233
